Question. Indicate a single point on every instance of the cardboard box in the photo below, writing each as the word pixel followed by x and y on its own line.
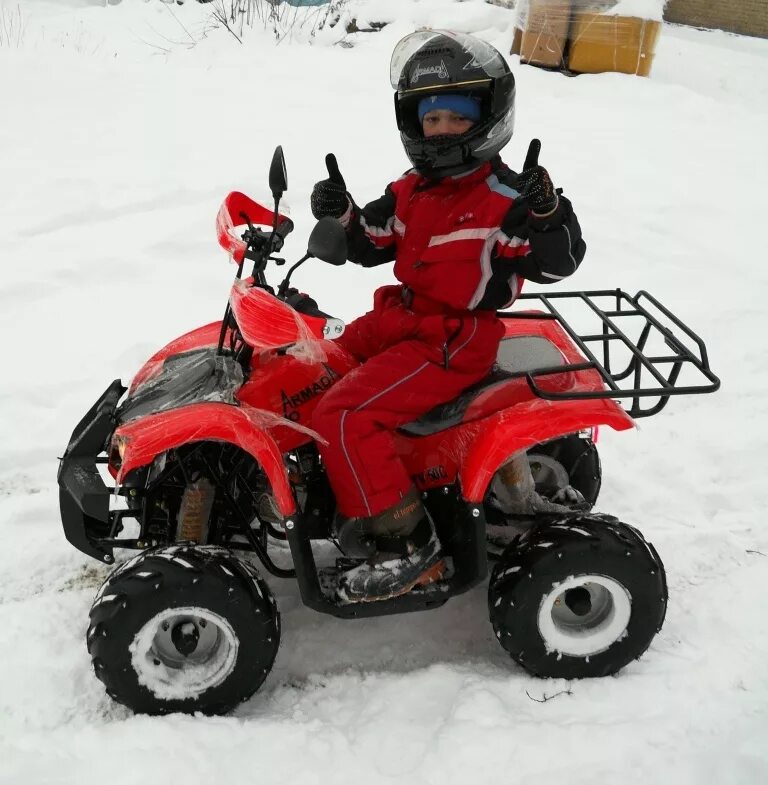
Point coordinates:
pixel 600 43
pixel 545 34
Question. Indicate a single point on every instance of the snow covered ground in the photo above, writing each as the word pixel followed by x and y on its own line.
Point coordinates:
pixel 119 138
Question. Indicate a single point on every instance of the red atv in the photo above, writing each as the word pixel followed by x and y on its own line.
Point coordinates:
pixel 212 459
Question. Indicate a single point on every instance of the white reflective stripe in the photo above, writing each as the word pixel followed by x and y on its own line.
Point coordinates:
pixel 569 248
pixel 514 287
pixel 399 227
pixel 391 387
pixel 351 465
pixel 485 269
pixel 462 234
pixel 362 406
pixel 570 256
pixel 347 217
pixel 514 242
pixel 378 231
pixel 471 336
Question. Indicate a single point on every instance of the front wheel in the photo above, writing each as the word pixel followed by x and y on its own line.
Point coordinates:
pixel 577 597
pixel 183 629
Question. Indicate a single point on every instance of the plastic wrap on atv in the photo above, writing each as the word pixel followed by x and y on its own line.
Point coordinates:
pixel 640 357
pixel 208 459
pixel 188 377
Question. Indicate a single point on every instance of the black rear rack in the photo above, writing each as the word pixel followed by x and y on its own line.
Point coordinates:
pixel 657 363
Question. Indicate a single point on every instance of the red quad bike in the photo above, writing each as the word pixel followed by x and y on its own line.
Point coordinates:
pixel 213 458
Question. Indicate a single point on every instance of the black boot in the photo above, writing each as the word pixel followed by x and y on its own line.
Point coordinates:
pixel 409 555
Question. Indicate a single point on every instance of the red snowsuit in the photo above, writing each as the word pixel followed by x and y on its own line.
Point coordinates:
pixel 461 246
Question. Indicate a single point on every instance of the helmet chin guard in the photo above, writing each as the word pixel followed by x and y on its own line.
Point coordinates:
pixel 432 62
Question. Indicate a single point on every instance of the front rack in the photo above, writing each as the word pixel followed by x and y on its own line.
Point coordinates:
pixel 657 363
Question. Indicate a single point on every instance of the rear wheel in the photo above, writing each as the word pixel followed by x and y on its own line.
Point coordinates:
pixel 577 597
pixel 183 629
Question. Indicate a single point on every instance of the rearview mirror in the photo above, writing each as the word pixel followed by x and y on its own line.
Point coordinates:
pixel 328 241
pixel 278 177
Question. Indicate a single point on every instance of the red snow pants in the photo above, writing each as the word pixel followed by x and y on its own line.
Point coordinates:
pixel 403 374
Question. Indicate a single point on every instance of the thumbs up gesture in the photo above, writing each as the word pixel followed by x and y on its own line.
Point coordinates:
pixel 329 196
pixel 534 183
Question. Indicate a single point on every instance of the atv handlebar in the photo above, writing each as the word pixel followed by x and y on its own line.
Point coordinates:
pixel 262 243
pixel 281 232
pixel 259 246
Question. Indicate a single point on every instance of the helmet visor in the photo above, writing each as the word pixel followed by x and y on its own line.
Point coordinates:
pixel 479 53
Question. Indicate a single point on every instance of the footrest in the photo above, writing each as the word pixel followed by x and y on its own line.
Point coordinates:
pixel 329 576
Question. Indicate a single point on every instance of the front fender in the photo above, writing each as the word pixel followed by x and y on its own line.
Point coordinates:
pixel 526 425
pixel 200 337
pixel 143 439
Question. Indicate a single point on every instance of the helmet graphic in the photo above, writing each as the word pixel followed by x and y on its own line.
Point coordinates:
pixel 438 62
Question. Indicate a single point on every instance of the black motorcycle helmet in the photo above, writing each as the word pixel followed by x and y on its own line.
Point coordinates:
pixel 435 62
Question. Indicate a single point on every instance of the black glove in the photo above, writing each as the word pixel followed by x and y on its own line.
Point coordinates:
pixel 329 197
pixel 535 184
pixel 300 302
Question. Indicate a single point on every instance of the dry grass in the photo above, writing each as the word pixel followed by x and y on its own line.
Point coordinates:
pixel 12 27
pixel 237 16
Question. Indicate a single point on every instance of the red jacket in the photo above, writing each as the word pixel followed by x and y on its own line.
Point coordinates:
pixel 465 242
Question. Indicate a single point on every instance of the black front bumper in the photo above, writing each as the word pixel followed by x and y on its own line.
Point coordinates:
pixel 83 495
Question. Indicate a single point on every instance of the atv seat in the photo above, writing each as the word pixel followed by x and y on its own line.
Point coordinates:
pixel 517 354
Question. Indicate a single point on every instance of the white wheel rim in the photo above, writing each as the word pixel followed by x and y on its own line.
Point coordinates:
pixel 170 674
pixel 600 621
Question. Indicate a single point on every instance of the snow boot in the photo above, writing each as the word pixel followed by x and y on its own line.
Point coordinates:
pixel 407 554
pixel 513 491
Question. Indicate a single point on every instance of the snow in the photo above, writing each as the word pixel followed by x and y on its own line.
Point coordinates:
pixel 114 157
pixel 644 9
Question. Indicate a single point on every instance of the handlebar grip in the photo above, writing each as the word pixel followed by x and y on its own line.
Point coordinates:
pixel 321 324
pixel 317 313
pixel 284 228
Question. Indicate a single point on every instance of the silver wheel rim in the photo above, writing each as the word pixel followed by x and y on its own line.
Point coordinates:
pixel 182 652
pixel 584 615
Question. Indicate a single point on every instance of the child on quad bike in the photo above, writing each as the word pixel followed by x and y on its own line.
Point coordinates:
pixel 463 230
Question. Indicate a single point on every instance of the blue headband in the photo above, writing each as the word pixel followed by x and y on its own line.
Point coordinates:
pixel 461 104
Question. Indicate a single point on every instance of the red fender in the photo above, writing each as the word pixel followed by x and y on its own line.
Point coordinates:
pixel 140 441
pixel 232 213
pixel 208 335
pixel 520 428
